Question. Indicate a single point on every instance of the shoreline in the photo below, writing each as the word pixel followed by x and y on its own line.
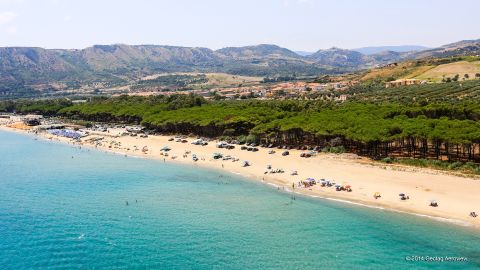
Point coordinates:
pixel 450 195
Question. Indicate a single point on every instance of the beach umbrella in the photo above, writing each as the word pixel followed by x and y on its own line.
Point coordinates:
pixel 401 194
pixel 166 148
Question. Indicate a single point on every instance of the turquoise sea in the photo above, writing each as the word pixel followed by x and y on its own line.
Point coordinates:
pixel 63 207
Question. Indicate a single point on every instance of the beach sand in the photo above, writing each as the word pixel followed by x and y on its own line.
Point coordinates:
pixel 456 195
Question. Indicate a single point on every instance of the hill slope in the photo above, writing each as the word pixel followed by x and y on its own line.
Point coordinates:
pixel 429 69
pixel 119 64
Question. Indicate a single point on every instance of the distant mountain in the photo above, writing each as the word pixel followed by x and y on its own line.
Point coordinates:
pixel 460 48
pixel 342 58
pixel 147 58
pixel 268 60
pixel 37 65
pixel 379 49
pixel 119 64
pixel 388 56
pixel 258 51
pixel 304 53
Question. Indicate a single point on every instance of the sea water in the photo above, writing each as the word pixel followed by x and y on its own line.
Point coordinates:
pixel 62 207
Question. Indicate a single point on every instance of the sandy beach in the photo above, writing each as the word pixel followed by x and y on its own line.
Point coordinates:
pixel 456 195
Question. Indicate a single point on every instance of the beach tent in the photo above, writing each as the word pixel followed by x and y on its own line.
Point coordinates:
pixel 65 133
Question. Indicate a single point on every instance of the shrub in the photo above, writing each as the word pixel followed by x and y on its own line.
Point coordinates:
pixel 388 160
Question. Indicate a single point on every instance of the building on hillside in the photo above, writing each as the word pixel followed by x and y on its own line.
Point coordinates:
pixel 402 82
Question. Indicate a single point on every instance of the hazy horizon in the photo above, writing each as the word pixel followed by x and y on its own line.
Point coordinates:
pixel 299 25
pixel 247 45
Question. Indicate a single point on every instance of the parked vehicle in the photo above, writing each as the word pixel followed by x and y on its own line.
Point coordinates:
pixel 222 144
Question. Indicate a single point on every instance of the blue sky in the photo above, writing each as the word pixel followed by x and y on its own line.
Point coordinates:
pixel 295 24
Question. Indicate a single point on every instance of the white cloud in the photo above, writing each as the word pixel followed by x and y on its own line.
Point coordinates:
pixel 67 18
pixel 7 16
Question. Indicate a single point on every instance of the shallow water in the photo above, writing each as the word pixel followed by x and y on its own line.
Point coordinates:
pixel 65 208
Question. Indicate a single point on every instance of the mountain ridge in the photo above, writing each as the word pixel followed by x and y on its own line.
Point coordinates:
pixel 396 48
pixel 120 63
